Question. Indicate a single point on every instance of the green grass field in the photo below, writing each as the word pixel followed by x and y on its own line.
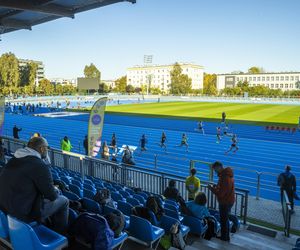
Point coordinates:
pixel 236 112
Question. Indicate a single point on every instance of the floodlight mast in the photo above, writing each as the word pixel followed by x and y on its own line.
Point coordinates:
pixel 148 62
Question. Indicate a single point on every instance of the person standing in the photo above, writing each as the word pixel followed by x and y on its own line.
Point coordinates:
pixel 287 182
pixel 66 144
pixel 16 131
pixel 143 142
pixel 225 194
pixel 113 143
pixel 105 151
pixel 163 140
pixel 218 135
pixel 223 117
pixel 192 184
pixel 86 145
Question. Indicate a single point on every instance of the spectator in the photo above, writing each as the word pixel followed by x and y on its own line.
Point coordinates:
pixel 26 188
pixel 172 193
pixel 127 157
pixel 16 131
pixel 66 144
pixel 113 143
pixel 2 154
pixel 287 182
pixel 223 117
pixel 197 207
pixel 192 184
pixel 86 145
pixel 105 151
pixel 225 193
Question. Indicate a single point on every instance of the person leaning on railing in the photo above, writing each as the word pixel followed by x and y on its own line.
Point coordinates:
pixel 287 182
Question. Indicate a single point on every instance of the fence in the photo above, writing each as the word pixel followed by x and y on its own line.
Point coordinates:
pixel 149 180
pixel 286 212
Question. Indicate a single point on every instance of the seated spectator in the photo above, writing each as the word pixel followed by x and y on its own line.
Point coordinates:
pixel 172 193
pixel 197 207
pixel 26 188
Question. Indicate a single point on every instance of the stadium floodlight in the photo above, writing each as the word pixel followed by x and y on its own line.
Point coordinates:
pixel 148 59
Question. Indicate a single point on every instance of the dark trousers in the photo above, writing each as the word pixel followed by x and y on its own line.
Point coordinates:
pixel 224 221
pixel 290 195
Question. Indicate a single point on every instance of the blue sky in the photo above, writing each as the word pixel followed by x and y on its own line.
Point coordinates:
pixel 221 35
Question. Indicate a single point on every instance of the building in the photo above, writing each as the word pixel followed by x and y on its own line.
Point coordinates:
pixel 280 80
pixel 63 81
pixel 159 75
pixel 40 72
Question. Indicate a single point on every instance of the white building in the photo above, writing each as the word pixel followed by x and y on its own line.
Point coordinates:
pixel 40 72
pixel 282 80
pixel 159 75
pixel 63 81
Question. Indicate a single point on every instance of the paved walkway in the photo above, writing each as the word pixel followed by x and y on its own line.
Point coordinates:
pixel 271 211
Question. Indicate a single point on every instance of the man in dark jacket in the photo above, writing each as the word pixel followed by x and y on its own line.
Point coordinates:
pixel 16 131
pixel 287 182
pixel 225 193
pixel 26 187
pixel 86 145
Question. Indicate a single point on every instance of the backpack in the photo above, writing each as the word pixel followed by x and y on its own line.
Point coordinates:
pixel 177 237
pixel 210 232
pixel 116 222
pixel 93 229
pixel 154 204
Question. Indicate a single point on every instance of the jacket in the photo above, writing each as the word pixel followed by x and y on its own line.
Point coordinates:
pixel 192 184
pixel 66 145
pixel 225 188
pixel 24 182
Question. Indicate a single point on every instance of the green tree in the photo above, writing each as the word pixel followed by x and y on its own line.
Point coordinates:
pixel 255 70
pixel 180 83
pixel 155 90
pixel 9 71
pixel 130 89
pixel 210 84
pixel 121 84
pixel 45 87
pixel 91 71
pixel 28 74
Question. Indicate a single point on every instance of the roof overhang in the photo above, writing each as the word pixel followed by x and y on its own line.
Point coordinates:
pixel 23 14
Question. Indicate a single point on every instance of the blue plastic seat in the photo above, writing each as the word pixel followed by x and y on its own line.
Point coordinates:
pixel 77 183
pixel 106 184
pixel 3 226
pixel 134 202
pixel 174 214
pixel 125 194
pixel 89 187
pixel 142 230
pixel 171 207
pixel 91 205
pixel 116 196
pixel 89 193
pixel 75 189
pixel 71 196
pixel 129 190
pixel 125 207
pixel 171 202
pixel 108 209
pixel 89 181
pixel 145 195
pixel 166 222
pixel 119 241
pixel 24 236
pixel 195 224
pixel 65 179
pixel 139 198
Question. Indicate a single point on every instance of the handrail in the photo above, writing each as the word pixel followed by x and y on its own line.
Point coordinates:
pixel 286 212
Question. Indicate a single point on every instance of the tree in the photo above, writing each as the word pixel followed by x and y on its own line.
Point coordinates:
pixel 9 71
pixel 180 83
pixel 155 90
pixel 45 87
pixel 91 71
pixel 103 88
pixel 255 70
pixel 121 84
pixel 28 74
pixel 129 89
pixel 210 84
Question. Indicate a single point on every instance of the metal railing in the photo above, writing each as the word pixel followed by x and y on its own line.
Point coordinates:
pixel 149 180
pixel 286 212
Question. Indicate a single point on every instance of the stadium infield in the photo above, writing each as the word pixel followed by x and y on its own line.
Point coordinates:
pixel 256 114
